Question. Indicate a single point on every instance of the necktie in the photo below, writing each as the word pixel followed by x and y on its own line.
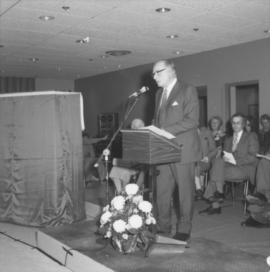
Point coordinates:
pixel 163 98
pixel 162 107
pixel 235 142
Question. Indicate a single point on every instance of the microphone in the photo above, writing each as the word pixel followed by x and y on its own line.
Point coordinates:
pixel 139 92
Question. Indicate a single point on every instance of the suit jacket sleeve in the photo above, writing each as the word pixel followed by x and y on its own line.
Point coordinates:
pixel 249 157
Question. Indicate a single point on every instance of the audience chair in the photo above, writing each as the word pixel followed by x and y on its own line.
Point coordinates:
pixel 233 183
pixel 205 179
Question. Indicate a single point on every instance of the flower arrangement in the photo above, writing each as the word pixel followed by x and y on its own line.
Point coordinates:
pixel 127 221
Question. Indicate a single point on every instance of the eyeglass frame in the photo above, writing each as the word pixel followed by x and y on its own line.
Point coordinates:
pixel 158 71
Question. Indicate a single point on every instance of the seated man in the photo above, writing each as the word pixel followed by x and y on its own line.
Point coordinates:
pixel 263 176
pixel 264 134
pixel 89 158
pixel 209 152
pixel 238 162
pixel 121 172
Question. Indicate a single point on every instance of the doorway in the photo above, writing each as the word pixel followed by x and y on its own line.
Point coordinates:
pixel 243 98
pixel 202 95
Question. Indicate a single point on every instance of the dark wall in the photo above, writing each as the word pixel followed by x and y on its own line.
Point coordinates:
pixel 213 69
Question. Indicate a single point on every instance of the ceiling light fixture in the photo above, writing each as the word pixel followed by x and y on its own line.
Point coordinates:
pixel 46 18
pixel 178 52
pixel 34 59
pixel 84 40
pixel 163 10
pixel 118 53
pixel 173 36
pixel 66 8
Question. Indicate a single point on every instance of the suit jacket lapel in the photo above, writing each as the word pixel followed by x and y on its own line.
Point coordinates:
pixel 174 93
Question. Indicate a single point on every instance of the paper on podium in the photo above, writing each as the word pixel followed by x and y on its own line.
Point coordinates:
pixel 159 131
pixel 228 157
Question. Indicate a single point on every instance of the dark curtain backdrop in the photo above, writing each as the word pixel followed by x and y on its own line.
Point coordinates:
pixel 16 84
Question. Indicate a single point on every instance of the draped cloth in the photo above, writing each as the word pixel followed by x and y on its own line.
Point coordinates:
pixel 16 84
pixel 41 177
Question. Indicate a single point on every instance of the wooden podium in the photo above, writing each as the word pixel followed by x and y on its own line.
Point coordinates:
pixel 146 147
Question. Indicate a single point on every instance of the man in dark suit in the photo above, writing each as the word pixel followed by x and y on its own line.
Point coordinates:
pixel 176 111
pixel 243 147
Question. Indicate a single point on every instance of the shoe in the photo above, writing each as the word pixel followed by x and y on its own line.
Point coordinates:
pixel 218 197
pixel 257 198
pixel 181 236
pixel 212 211
pixel 198 194
pixel 251 222
pixel 205 210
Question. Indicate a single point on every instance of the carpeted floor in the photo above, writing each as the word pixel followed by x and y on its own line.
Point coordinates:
pixel 219 243
pixel 204 255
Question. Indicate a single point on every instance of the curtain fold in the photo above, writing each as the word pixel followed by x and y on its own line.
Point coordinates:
pixel 16 84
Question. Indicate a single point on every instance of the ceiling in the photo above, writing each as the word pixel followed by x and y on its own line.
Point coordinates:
pixel 133 25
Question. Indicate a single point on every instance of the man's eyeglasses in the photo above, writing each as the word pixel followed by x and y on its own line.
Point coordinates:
pixel 158 71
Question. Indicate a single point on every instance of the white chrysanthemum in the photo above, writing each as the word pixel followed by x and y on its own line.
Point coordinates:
pixel 135 221
pixel 131 189
pixel 125 236
pixel 154 221
pixel 145 206
pixel 106 208
pixel 119 225
pixel 108 234
pixel 105 217
pixel 150 220
pixel 118 202
pixel 137 199
pixel 135 211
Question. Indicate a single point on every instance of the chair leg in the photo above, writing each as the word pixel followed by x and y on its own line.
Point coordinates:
pixel 233 192
pixel 246 187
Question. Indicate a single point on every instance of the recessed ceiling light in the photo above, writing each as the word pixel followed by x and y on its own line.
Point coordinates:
pixel 267 31
pixel 119 66
pixel 84 40
pixel 178 52
pixel 118 53
pixel 174 36
pixel 104 56
pixel 46 18
pixel 163 10
pixel 34 59
pixel 66 8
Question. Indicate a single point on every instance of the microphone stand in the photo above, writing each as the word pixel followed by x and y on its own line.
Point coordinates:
pixel 106 152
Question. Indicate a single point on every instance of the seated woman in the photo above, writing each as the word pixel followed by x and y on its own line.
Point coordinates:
pixel 122 172
pixel 215 125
